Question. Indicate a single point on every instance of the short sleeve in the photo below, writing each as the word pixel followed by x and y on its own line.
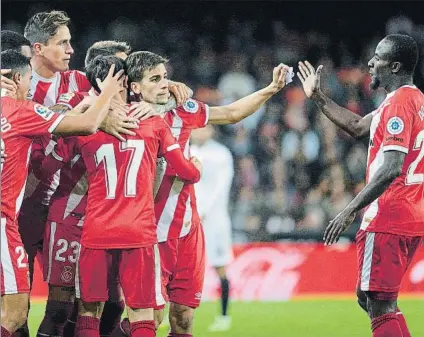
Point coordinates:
pixel 194 114
pixel 70 99
pixel 37 120
pixel 397 123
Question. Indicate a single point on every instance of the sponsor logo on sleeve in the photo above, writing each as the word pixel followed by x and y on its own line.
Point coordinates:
pixel 394 139
pixel 191 106
pixel 395 125
pixel 66 98
pixel 43 111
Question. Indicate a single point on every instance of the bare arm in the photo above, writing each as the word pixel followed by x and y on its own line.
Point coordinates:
pixel 354 125
pixel 389 171
pixel 244 107
pixel 88 122
pixel 348 121
pixel 385 175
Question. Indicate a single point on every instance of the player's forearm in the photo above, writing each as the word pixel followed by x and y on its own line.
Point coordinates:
pixel 376 187
pixel 343 118
pixel 95 114
pixel 185 170
pixel 242 108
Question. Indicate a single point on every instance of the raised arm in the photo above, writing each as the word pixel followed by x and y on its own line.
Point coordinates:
pixel 246 106
pixel 353 124
pixel 88 122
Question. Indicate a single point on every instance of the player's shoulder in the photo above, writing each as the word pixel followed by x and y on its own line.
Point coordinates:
pixel 407 95
pixel 191 106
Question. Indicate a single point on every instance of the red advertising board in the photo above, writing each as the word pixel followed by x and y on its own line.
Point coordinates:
pixel 282 271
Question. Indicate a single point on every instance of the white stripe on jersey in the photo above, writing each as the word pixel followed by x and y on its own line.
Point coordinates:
pixel 51 246
pixel 168 211
pixel 20 197
pixel 10 286
pixel 367 263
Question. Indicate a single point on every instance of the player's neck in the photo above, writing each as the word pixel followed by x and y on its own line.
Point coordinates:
pixel 41 70
pixel 399 82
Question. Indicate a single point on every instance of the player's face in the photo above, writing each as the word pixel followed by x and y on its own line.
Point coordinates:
pixel 58 50
pixel 154 85
pixel 379 65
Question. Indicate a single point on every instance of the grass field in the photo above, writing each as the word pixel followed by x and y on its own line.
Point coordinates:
pixel 302 318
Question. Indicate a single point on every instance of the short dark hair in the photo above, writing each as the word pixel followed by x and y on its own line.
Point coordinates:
pixel 14 60
pixel 42 26
pixel 106 48
pixel 140 61
pixel 13 40
pixel 404 50
pixel 99 68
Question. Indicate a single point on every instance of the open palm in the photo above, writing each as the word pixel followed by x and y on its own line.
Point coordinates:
pixel 309 78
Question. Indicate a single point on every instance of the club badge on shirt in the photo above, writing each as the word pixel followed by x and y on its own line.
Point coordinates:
pixel 395 125
pixel 191 106
pixel 43 111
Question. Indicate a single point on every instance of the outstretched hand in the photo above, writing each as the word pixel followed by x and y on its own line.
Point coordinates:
pixel 311 79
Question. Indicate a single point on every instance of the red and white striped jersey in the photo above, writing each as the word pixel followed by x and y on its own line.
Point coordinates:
pixel 46 91
pixel 21 121
pixel 69 201
pixel 398 125
pixel 175 202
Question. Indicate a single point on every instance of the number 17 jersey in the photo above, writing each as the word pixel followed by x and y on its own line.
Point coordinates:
pixel 120 206
pixel 398 125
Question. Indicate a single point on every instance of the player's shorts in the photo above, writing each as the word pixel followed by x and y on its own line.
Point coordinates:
pixel 383 260
pixel 32 222
pixel 139 275
pixel 60 251
pixel 14 260
pixel 219 250
pixel 183 268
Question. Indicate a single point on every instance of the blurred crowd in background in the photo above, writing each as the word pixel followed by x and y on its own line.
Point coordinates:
pixel 294 169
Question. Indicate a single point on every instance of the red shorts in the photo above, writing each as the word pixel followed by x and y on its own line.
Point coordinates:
pixel 32 222
pixel 138 270
pixel 14 260
pixel 60 251
pixel 383 260
pixel 183 268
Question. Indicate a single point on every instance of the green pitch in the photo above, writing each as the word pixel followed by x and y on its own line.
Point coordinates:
pixel 311 318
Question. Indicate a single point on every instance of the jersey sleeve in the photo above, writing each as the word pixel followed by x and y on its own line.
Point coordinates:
pixel 83 84
pixel 70 99
pixel 37 120
pixel 62 153
pixel 167 142
pixel 194 114
pixel 398 124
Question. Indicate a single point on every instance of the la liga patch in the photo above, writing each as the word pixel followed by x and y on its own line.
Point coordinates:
pixel 395 125
pixel 43 111
pixel 191 106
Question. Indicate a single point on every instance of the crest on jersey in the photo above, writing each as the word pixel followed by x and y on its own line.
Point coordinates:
pixel 395 125
pixel 191 106
pixel 66 98
pixel 43 111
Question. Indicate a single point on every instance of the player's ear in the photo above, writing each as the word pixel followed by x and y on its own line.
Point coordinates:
pixel 38 49
pixel 395 67
pixel 17 77
pixel 125 82
pixel 135 88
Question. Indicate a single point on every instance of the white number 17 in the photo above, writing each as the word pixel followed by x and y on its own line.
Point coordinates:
pixel 106 154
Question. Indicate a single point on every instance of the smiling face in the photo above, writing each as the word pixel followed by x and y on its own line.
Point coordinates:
pixel 381 67
pixel 153 87
pixel 57 52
